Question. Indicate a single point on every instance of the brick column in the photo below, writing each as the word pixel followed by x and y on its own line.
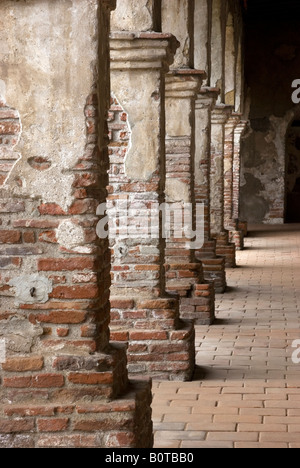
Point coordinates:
pixel 242 228
pixel 184 272
pixel 160 344
pixel 213 266
pixel 220 116
pixel 63 385
pixel 231 224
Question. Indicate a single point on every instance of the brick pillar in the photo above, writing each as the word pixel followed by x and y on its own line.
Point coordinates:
pixel 213 266
pixel 220 116
pixel 231 223
pixel 63 385
pixel 184 272
pixel 242 228
pixel 160 344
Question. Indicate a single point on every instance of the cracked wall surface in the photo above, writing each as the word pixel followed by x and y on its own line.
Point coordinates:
pixel 272 64
pixel 40 52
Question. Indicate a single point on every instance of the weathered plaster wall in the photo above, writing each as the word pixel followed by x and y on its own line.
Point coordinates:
pixel 51 47
pixel 272 64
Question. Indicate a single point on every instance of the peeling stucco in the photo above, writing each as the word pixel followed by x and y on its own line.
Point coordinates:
pixel 40 51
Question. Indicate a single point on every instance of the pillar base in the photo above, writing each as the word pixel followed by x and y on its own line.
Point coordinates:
pixel 237 238
pixel 213 267
pixel 122 423
pixel 243 226
pixel 197 298
pixel 160 344
pixel 226 249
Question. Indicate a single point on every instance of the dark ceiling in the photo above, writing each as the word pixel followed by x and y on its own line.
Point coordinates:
pixel 270 9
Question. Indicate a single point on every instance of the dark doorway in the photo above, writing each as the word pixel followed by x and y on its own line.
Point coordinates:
pixel 293 173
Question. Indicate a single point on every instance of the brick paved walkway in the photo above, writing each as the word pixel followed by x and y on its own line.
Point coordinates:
pixel 246 391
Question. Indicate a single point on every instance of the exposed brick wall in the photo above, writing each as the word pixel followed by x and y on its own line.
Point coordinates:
pixel 160 344
pixel 10 131
pixel 63 384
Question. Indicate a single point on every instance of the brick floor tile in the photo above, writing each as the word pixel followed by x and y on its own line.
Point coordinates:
pixel 245 445
pixel 262 427
pixel 181 435
pixel 249 395
pixel 206 445
pixel 233 436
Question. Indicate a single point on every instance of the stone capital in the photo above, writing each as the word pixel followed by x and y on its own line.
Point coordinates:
pixel 207 97
pixel 184 83
pixel 133 15
pixel 232 123
pixel 142 51
pixel 221 114
pixel 241 127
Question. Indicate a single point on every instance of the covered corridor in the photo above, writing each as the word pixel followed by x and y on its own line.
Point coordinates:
pixel 246 389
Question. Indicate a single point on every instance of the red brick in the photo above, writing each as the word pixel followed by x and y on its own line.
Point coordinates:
pixel 39 163
pixel 87 206
pixel 148 335
pixel 17 382
pixel 86 180
pixel 119 336
pixel 30 411
pixel 114 406
pixel 29 237
pixel 66 264
pixel 10 237
pixel 88 331
pixel 48 381
pixel 103 424
pixel 75 292
pixel 8 426
pixel 52 425
pixel 10 127
pixel 59 317
pixel 91 379
pixel 122 303
pixel 23 364
pixel 62 332
pixel 48 236
pixel 51 209
pixel 157 304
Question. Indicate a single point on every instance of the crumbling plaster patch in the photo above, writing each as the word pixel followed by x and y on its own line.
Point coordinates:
pixel 44 61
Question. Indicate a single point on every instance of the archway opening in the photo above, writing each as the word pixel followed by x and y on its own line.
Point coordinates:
pixel 292 211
